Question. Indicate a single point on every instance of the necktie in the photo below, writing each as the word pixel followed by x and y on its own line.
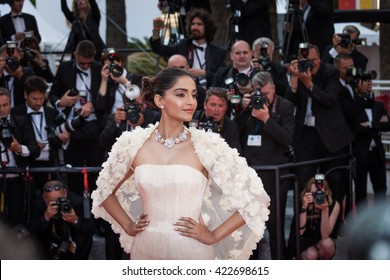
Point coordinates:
pixel 198 47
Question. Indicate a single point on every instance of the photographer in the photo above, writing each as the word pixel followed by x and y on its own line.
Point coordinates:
pixel 317 219
pixel 12 74
pixel 368 147
pixel 15 23
pixel 213 117
pixel 41 117
pixel 203 56
pixel 236 78
pixel 131 114
pixel 263 53
pixel 59 224
pixel 114 78
pixel 18 148
pixel 31 56
pixel 74 92
pixel 346 43
pixel 266 130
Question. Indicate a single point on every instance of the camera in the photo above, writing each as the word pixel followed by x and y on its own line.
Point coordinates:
pixel 209 125
pixel 258 100
pixel 263 60
pixel 63 205
pixel 304 63
pixel 11 61
pixel 115 69
pixel 62 125
pixel 242 79
pixel 346 40
pixel 6 130
pixel 361 74
pixel 28 54
pixel 319 196
pixel 132 108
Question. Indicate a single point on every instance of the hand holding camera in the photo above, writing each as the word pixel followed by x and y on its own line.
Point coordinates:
pixel 69 98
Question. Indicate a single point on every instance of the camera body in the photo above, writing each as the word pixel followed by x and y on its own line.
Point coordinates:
pixel 209 125
pixel 11 61
pixel 7 128
pixel 319 196
pixel 361 74
pixel 64 205
pixel 258 99
pixel 115 69
pixel 263 60
pixel 28 54
pixel 304 63
pixel 132 112
pixel 346 40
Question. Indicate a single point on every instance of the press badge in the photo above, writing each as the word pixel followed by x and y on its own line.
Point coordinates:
pixel 254 140
pixel 311 121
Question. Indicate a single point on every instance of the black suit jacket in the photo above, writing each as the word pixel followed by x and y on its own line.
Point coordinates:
pixel 65 79
pixel 50 114
pixel 276 134
pixel 364 135
pixel 215 56
pixel 329 120
pixel 24 134
pixel 8 29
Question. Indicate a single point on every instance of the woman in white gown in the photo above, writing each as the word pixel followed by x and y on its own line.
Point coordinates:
pixel 178 193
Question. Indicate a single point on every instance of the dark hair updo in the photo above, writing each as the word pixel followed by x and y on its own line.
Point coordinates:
pixel 163 81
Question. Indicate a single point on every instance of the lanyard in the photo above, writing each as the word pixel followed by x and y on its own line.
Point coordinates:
pixel 39 131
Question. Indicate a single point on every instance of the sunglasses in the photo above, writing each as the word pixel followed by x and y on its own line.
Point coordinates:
pixel 85 63
pixel 50 188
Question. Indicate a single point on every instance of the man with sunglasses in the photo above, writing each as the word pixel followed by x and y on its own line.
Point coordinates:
pixel 74 92
pixel 59 225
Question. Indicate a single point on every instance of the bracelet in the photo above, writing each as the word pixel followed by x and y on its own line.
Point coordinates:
pixel 303 227
pixel 293 88
pixel 303 210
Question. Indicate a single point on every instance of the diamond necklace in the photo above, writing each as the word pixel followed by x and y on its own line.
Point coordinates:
pixel 170 142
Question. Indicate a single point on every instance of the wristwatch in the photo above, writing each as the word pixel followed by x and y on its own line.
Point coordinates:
pixel 303 210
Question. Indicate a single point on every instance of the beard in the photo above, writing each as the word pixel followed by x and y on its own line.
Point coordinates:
pixel 195 35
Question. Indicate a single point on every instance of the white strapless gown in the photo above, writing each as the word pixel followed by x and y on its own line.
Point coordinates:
pixel 169 192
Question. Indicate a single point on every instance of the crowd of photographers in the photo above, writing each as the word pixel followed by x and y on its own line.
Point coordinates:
pixel 314 106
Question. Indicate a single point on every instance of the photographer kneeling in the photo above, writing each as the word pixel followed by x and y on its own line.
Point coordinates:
pixel 59 225
pixel 317 219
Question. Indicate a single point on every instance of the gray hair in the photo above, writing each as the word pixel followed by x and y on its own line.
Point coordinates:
pixel 262 78
pixel 262 40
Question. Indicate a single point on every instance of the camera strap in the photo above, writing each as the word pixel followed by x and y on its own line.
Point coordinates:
pixel 33 120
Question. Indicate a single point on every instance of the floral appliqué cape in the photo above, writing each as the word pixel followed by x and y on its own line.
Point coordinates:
pixel 232 186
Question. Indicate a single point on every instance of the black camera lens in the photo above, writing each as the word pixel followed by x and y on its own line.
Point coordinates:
pixel 258 100
pixel 304 64
pixel 242 79
pixel 319 197
pixel 132 112
pixel 64 205
pixel 115 70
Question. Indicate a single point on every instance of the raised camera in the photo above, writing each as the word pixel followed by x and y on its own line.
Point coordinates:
pixel 258 100
pixel 319 196
pixel 28 54
pixel 64 205
pixel 263 60
pixel 11 61
pixel 361 74
pixel 304 63
pixel 115 69
pixel 242 79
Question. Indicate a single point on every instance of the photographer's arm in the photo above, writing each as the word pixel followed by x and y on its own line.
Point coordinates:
pixel 65 10
pixel 328 221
